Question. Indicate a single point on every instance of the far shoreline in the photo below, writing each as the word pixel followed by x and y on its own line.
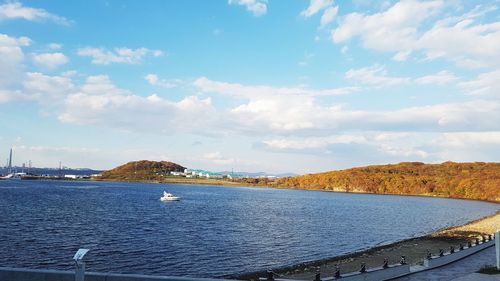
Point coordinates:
pixel 217 182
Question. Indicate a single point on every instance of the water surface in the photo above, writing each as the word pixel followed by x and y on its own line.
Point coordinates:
pixel 212 231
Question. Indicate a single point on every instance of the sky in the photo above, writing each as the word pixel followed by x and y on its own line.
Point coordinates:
pixel 296 86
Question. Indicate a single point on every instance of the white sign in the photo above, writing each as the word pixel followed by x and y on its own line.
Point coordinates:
pixel 79 254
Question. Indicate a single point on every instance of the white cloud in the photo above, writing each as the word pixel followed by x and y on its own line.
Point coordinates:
pixel 486 84
pixel 99 102
pixel 69 73
pixel 440 78
pixel 328 16
pixel 403 151
pixel 268 110
pixel 354 146
pixel 315 6
pixel 155 81
pixel 465 40
pixel 218 159
pixel 118 55
pixel 11 57
pixel 8 96
pixel 392 136
pixel 392 30
pixel 295 119
pixel 238 90
pixel 256 7
pixel 15 10
pixel 361 148
pixel 262 110
pixel 152 79
pixel 50 90
pixel 375 75
pixel 464 139
pixel 401 56
pixel 467 146
pixel 55 46
pixel 309 143
pixel 48 156
pixel 49 60
pixel 5 40
pixel 101 85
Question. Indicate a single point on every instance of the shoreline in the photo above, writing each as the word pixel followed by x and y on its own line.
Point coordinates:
pixel 219 182
pixel 415 250
pixel 371 193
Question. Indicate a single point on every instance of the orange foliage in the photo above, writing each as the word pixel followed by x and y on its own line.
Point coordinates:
pixel 456 180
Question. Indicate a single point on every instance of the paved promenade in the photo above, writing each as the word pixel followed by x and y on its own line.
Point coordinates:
pixel 460 270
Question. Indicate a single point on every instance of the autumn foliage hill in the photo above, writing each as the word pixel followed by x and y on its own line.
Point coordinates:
pixel 142 171
pixel 477 180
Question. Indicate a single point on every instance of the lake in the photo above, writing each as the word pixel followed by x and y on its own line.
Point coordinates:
pixel 212 231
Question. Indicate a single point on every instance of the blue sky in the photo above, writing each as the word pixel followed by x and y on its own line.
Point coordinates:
pixel 250 85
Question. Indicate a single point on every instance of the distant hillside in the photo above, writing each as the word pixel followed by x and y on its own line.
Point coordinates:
pixel 142 170
pixel 456 180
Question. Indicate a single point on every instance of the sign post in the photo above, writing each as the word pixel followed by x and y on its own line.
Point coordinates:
pixel 80 265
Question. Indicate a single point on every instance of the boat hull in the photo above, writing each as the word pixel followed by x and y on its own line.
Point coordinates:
pixel 170 199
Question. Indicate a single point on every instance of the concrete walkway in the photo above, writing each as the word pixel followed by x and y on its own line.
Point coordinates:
pixel 460 269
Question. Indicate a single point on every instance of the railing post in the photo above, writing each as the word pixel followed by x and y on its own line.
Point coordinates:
pixel 363 268
pixel 403 260
pixel 337 272
pixel 270 275
pixel 497 247
pixel 429 255
pixel 317 277
pixel 386 263
pixel 80 271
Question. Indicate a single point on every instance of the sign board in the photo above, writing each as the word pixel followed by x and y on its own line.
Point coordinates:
pixel 79 254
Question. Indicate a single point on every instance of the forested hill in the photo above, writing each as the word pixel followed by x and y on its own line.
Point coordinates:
pixel 456 180
pixel 142 171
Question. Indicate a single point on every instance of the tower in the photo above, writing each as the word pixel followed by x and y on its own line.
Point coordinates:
pixel 10 161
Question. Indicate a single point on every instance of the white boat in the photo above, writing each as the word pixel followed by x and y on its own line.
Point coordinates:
pixel 14 176
pixel 169 197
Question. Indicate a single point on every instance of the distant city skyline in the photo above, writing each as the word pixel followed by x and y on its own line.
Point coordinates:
pixel 254 85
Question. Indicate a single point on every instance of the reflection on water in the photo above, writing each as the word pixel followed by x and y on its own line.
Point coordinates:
pixel 212 231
